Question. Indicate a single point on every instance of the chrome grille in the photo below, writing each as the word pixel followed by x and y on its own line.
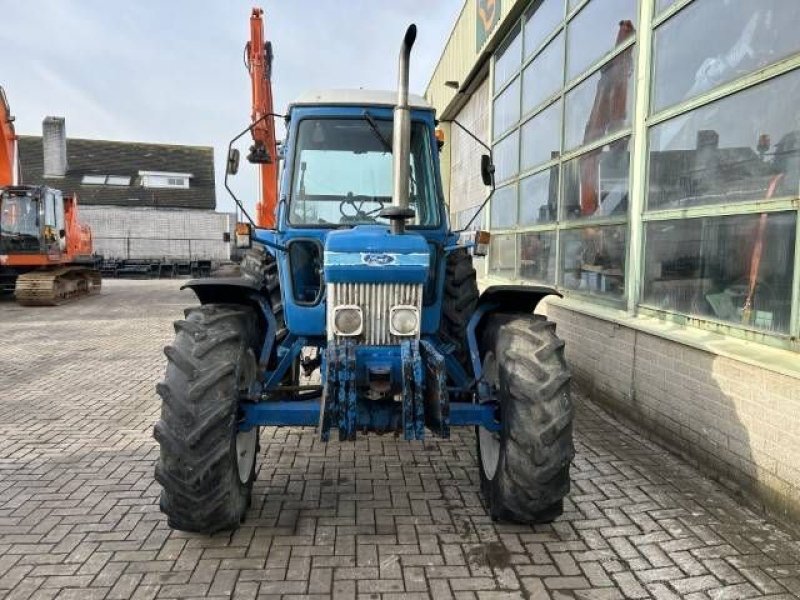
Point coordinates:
pixel 375 300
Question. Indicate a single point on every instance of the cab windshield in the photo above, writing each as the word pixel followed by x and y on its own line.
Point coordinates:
pixel 343 173
pixel 18 216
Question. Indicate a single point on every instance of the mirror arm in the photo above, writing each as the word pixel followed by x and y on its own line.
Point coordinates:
pixel 230 146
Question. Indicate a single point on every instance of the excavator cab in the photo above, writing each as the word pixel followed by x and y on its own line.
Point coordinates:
pixel 31 221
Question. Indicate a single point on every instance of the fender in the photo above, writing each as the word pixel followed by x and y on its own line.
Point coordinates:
pixel 502 299
pixel 225 290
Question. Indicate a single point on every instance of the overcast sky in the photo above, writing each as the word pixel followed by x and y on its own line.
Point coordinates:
pixel 172 72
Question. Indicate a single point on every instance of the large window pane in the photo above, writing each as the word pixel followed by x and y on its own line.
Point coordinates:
pixel 593 260
pixel 504 207
pixel 597 29
pixel 596 184
pixel 736 269
pixel 537 256
pixel 541 137
pixel 711 42
pixel 507 60
pixel 506 157
pixel 540 21
pixel 544 76
pixel 743 147
pixel 538 198
pixel 601 105
pixel 502 255
pixel 506 109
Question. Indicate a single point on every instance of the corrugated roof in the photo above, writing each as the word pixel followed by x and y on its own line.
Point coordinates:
pixel 101 157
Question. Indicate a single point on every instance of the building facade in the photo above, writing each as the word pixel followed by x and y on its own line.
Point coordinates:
pixel 647 159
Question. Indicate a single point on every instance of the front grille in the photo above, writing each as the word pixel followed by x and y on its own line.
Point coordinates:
pixel 375 300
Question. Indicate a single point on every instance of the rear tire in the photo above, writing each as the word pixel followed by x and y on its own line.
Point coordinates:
pixel 524 468
pixel 206 466
pixel 458 304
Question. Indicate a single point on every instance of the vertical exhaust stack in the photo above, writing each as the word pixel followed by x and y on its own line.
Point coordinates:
pixel 401 139
pixel 54 140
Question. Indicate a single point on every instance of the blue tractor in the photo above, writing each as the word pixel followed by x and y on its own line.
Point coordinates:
pixel 363 290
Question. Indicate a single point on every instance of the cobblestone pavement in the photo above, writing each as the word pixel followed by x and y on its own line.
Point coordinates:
pixel 380 518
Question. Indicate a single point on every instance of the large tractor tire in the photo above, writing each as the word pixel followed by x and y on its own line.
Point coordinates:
pixel 207 466
pixel 458 304
pixel 524 468
pixel 260 266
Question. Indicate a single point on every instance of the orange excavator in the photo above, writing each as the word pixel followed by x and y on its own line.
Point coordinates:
pixel 45 252
pixel 264 151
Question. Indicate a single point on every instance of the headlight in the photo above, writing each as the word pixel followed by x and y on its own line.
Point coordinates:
pixel 403 320
pixel 347 320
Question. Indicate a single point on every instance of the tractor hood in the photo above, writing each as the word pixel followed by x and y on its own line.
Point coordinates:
pixel 370 253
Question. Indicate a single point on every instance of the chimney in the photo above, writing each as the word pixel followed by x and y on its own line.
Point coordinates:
pixel 54 141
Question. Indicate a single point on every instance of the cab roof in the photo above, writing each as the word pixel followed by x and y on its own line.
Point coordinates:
pixel 357 98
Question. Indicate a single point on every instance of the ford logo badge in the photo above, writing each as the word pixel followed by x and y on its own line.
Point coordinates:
pixel 377 260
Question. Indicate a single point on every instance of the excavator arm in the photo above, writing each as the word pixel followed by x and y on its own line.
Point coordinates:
pixel 264 151
pixel 8 145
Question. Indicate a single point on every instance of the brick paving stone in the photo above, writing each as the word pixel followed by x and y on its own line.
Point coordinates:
pixel 379 518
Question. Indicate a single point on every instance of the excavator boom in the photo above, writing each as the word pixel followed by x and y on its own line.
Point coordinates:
pixel 264 151
pixel 8 143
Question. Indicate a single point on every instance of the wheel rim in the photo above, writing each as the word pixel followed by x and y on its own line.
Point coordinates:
pixel 490 440
pixel 246 441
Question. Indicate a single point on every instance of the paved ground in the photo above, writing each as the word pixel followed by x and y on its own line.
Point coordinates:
pixel 380 518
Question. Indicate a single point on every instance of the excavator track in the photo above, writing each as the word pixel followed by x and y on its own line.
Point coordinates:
pixel 56 286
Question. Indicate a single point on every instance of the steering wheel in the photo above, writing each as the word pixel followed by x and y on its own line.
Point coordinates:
pixel 357 202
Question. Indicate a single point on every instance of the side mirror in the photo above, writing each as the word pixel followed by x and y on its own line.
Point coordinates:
pixel 233 162
pixel 243 235
pixel 487 170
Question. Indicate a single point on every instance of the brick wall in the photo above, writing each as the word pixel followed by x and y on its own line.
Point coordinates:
pixel 739 422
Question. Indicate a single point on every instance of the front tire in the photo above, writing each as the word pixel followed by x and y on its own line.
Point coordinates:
pixel 524 468
pixel 206 465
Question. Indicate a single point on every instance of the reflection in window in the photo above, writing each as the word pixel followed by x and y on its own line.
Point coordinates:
pixel 593 260
pixel 596 183
pixel 736 269
pixel 538 198
pixel 541 137
pixel 601 105
pixel 537 256
pixel 504 207
pixel 713 42
pixel 597 29
pixel 743 147
pixel 506 109
pixel 540 22
pixel 507 60
pixel 544 76
pixel 502 255
pixel 506 157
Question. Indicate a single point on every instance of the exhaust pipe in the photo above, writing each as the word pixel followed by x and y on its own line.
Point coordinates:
pixel 401 138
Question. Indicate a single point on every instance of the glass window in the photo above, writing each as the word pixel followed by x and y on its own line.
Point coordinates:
pixel 593 260
pixel 544 76
pixel 504 207
pixel 596 184
pixel 507 60
pixel 743 147
pixel 713 42
pixel 736 269
pixel 597 29
pixel 537 256
pixel 540 22
pixel 464 216
pixel 662 5
pixel 601 105
pixel 121 180
pixel 506 109
pixel 506 157
pixel 502 255
pixel 541 137
pixel 343 173
pixel 93 179
pixel 18 218
pixel 538 197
